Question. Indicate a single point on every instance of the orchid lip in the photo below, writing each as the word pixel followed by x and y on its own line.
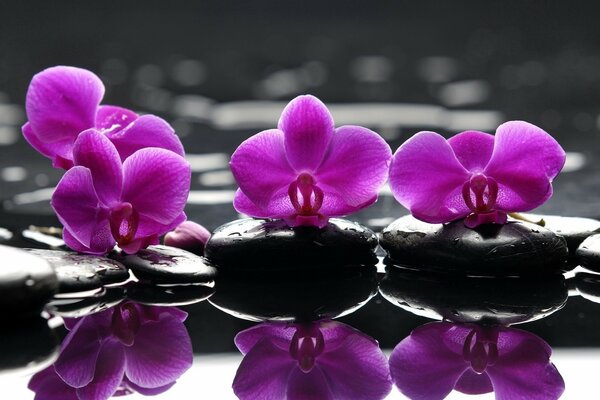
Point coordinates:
pixel 484 189
pixel 305 195
pixel 124 221
pixel 481 352
pixel 306 345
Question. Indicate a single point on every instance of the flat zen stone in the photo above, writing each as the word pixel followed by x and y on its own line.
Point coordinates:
pixel 27 282
pixel 254 244
pixel 588 253
pixel 79 272
pixel 513 249
pixel 172 295
pixel 165 264
pixel 465 299
pixel 82 306
pixel 574 229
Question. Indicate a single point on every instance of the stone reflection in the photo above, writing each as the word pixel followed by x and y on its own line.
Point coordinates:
pixel 317 360
pixel 125 349
pixel 439 357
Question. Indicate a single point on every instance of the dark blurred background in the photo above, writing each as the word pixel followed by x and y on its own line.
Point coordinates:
pixel 220 71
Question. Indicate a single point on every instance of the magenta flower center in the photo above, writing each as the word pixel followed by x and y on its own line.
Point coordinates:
pixel 307 344
pixel 480 193
pixel 125 323
pixel 480 350
pixel 306 196
pixel 123 223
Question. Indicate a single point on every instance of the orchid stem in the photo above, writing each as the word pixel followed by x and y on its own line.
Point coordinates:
pixel 521 217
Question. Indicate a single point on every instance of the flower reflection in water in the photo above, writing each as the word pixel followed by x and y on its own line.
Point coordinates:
pixel 128 348
pixel 318 360
pixel 441 356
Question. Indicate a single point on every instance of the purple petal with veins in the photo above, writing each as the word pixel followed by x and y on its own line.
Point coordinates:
pixel 323 359
pixel 440 357
pixel 306 171
pixel 476 175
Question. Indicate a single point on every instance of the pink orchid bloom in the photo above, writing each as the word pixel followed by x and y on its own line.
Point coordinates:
pixel 318 360
pixel 306 171
pixel 476 175
pixel 64 101
pixel 439 357
pixel 102 201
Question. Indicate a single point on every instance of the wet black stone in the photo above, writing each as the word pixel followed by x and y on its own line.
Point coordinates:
pixel 173 295
pixel 27 282
pixel 78 307
pixel 259 245
pixel 513 249
pixel 164 264
pixel 588 253
pixel 291 296
pixel 79 272
pixel 575 230
pixel 588 286
pixel 465 299
pixel 28 347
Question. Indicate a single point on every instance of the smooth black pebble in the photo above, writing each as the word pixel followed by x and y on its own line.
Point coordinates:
pixel 79 272
pixel 27 282
pixel 588 253
pixel 259 245
pixel 513 249
pixel 167 265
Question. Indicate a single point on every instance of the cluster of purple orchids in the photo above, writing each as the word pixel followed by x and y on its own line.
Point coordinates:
pixel 130 348
pixel 127 180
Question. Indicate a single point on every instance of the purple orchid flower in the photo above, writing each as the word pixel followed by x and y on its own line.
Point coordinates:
pixel 64 101
pixel 441 356
pixel 321 360
pixel 127 348
pixel 475 174
pixel 102 201
pixel 306 171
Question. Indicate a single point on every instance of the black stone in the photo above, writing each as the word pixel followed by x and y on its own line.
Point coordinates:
pixel 259 245
pixel 588 286
pixel 291 296
pixel 574 229
pixel 466 299
pixel 170 265
pixel 173 295
pixel 79 272
pixel 513 249
pixel 588 253
pixel 78 307
pixel 28 347
pixel 27 282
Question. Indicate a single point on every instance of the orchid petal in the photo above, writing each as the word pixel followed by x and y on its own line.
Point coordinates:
pixel 152 361
pixel 101 242
pixel 356 369
pixel 47 385
pixel 473 383
pixel 278 333
pixel 108 375
pixel 279 206
pixel 308 128
pixel 263 373
pixel 260 167
pixel 95 152
pixel 156 182
pixel 427 178
pixel 422 367
pixel 112 118
pixel 61 102
pixel 473 149
pixel 308 386
pixel 524 162
pixel 61 152
pixel 76 204
pixel 146 131
pixel 76 364
pixel 523 369
pixel 148 391
pixel 355 166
